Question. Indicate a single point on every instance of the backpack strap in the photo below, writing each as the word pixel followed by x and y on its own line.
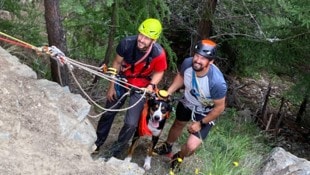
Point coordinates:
pixel 131 66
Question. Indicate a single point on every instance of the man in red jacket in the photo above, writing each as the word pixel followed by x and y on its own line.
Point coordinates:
pixel 142 61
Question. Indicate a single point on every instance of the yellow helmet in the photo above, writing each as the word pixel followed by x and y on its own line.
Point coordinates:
pixel 151 28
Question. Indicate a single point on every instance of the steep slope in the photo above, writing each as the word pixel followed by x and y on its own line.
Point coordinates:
pixel 43 127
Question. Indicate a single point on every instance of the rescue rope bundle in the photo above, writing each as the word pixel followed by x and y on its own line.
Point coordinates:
pixel 104 72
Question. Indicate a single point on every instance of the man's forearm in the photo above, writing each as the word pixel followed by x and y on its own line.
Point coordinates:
pixel 177 84
pixel 156 78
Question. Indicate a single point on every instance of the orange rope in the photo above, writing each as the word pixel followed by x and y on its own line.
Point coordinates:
pixel 15 39
pixel 15 43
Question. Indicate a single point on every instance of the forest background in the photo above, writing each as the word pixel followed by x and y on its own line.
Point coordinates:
pixel 256 39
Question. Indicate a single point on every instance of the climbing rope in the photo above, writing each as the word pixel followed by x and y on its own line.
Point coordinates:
pixel 16 41
pixel 103 72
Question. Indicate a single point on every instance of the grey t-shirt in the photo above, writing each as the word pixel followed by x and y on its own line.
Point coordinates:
pixel 201 91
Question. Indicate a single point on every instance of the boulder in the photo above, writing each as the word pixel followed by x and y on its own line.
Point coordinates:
pixel 281 162
pixel 44 128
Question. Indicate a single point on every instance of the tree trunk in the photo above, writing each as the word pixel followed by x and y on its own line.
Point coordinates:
pixel 302 109
pixel 56 38
pixel 279 116
pixel 111 35
pixel 264 108
pixel 227 65
pixel 205 24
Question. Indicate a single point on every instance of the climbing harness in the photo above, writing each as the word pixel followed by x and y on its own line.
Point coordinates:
pixel 103 71
pixel 198 93
pixel 131 66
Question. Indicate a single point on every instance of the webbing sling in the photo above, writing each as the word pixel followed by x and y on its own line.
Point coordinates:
pixel 141 59
pixel 132 65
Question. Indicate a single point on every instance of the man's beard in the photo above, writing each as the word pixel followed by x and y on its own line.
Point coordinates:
pixel 144 48
pixel 197 67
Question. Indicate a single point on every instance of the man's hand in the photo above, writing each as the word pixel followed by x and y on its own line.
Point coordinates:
pixel 149 88
pixel 111 93
pixel 194 127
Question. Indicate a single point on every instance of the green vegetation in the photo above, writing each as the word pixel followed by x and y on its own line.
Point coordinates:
pixel 27 22
pixel 234 146
pixel 89 24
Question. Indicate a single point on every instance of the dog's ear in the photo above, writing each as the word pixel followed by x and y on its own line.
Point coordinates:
pixel 151 101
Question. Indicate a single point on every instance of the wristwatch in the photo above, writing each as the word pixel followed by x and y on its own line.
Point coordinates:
pixel 153 85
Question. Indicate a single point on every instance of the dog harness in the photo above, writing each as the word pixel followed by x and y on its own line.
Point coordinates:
pixel 143 125
pixel 143 129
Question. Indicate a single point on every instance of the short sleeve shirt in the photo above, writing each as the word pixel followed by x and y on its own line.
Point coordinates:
pixel 209 87
pixel 127 48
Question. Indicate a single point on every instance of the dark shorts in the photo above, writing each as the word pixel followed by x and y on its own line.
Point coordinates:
pixel 184 114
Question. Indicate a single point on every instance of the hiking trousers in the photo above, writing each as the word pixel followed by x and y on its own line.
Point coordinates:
pixel 131 121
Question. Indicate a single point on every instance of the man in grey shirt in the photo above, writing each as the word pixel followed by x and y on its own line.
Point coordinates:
pixel 203 101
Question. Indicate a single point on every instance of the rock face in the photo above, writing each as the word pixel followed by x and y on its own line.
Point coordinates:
pixel 44 128
pixel 281 162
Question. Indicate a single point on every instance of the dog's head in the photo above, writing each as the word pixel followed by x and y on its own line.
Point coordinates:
pixel 159 109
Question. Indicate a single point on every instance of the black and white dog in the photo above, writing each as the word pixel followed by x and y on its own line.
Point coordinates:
pixel 155 112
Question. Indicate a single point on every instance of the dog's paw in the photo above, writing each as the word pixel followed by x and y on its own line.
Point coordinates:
pixel 147 163
pixel 127 159
pixel 146 166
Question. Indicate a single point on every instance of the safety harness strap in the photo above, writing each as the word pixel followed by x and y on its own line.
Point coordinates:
pixel 146 65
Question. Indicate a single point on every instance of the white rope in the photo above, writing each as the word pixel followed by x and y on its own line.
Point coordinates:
pixel 193 117
pixel 99 106
pixel 102 75
pixel 124 109
pixel 100 114
pixel 55 52
pixel 108 109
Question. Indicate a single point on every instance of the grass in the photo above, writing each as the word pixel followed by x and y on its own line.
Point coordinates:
pixel 233 147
